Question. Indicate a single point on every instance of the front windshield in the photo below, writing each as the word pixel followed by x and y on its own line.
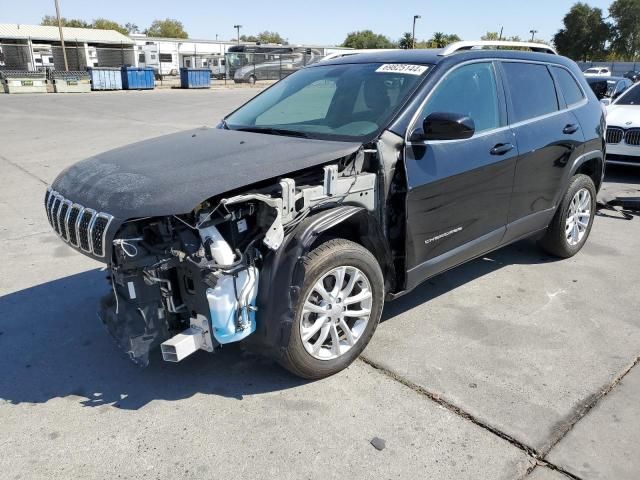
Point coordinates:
pixel 235 59
pixel 333 102
pixel 631 97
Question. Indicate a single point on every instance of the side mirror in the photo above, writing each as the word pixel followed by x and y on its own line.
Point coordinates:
pixel 606 102
pixel 445 126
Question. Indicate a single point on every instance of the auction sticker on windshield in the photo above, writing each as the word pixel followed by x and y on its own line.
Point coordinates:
pixel 402 68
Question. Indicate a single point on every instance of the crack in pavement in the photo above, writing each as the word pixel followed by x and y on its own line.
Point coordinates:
pixel 538 457
pixel 22 169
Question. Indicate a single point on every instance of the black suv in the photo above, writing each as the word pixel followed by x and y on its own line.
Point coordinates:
pixel 347 183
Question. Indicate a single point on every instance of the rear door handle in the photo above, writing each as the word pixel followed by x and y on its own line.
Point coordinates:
pixel 571 128
pixel 501 149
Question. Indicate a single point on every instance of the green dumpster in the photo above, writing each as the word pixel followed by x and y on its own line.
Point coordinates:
pixel 71 82
pixel 22 81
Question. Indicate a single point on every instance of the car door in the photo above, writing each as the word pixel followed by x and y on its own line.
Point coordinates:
pixel 459 190
pixel 548 136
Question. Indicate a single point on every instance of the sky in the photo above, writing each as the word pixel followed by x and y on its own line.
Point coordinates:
pixel 321 22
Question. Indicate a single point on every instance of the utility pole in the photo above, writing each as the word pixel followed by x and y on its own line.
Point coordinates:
pixel 238 27
pixel 413 35
pixel 501 30
pixel 533 34
pixel 64 50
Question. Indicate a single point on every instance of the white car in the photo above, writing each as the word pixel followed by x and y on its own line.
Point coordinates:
pixel 623 128
pixel 597 72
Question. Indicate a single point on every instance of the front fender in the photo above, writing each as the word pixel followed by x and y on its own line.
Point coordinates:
pixel 282 275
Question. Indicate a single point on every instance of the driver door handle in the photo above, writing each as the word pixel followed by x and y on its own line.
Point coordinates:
pixel 571 128
pixel 501 149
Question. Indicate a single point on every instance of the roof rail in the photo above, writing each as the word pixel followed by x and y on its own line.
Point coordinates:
pixel 475 44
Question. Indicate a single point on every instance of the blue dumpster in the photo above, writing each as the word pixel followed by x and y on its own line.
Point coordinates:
pixel 105 78
pixel 136 78
pixel 195 78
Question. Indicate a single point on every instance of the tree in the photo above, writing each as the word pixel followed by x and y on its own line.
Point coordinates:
pixel 131 28
pixel 626 32
pixel 51 20
pixel 490 36
pixel 406 41
pixel 168 28
pixel 104 24
pixel 584 35
pixel 271 37
pixel 98 23
pixel 367 39
pixel 439 40
pixel 264 37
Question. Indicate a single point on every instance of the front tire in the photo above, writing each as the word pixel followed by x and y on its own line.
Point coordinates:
pixel 339 308
pixel 571 225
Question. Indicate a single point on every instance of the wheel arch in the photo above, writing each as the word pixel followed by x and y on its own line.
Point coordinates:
pixel 591 164
pixel 281 276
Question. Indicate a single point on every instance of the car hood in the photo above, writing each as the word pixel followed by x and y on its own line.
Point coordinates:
pixel 619 115
pixel 172 174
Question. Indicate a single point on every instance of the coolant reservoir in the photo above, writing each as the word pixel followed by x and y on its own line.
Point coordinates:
pixel 230 321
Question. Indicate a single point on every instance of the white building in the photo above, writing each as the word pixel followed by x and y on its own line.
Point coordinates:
pixel 168 55
pixel 29 47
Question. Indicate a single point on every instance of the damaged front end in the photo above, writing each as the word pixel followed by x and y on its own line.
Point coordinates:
pixel 192 282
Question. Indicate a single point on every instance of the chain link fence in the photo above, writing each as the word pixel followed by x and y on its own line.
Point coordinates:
pixel 16 56
pixel 617 69
pixel 252 68
pixel 232 68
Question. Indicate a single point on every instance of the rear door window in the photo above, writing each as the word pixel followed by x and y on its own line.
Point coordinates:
pixel 569 86
pixel 532 90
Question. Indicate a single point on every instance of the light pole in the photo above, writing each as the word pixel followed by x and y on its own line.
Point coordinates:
pixel 413 35
pixel 238 27
pixel 64 50
pixel 533 34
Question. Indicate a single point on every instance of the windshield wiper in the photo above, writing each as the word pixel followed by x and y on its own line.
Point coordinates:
pixel 273 131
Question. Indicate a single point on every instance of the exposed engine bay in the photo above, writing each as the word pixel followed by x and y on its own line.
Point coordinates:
pixel 190 282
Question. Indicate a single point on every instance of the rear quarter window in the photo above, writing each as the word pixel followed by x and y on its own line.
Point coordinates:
pixel 568 86
pixel 532 90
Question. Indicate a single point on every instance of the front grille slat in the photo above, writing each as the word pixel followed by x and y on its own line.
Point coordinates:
pixel 614 135
pixel 62 219
pixel 54 214
pixel 632 137
pixel 47 197
pixel 97 232
pixel 71 224
pixel 81 227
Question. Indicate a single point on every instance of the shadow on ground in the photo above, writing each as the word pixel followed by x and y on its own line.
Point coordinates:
pixel 621 174
pixel 53 345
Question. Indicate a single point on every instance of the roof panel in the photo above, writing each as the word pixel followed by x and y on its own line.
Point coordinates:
pixel 48 33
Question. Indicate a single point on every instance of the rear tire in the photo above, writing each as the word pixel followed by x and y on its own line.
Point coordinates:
pixel 571 225
pixel 325 311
